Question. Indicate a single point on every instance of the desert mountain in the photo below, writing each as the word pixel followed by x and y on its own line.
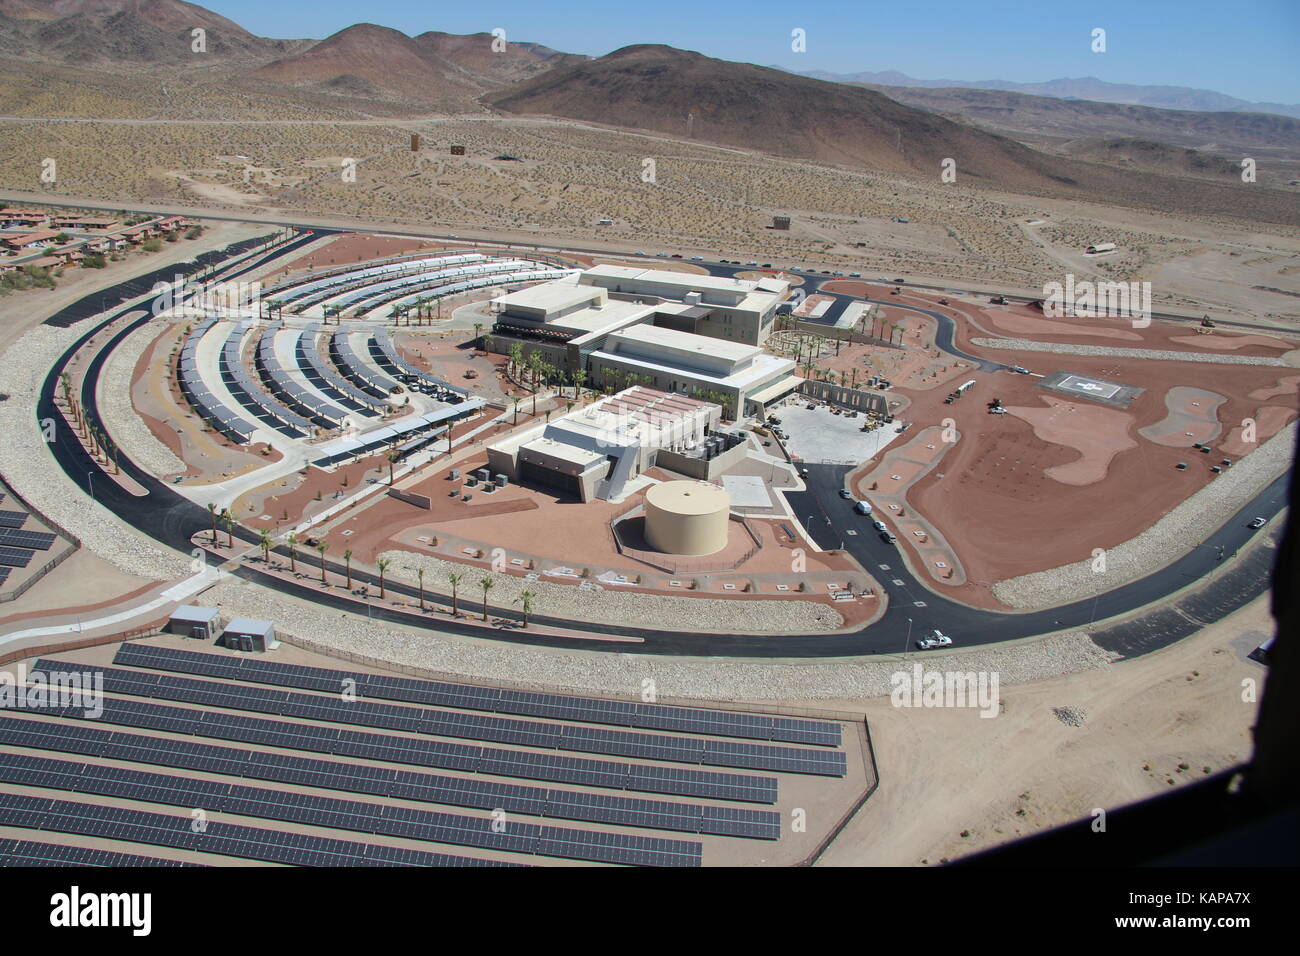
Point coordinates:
pixel 137 31
pixel 437 69
pixel 682 93
pixel 473 56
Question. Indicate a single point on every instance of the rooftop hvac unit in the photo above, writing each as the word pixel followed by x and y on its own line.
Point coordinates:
pixel 502 480
pixel 483 474
pixel 471 481
pixel 454 474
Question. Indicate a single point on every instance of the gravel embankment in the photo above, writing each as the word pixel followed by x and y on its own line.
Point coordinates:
pixel 124 425
pixel 1176 533
pixel 621 605
pixel 718 679
pixel 1107 351
pixel 28 466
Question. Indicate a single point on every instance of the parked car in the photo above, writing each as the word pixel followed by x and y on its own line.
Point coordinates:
pixel 855 275
pixel 936 639
pixel 879 525
pixel 697 258
pixel 662 255
pixel 1020 369
pixel 888 538
pixel 900 281
pixel 943 301
pixel 751 263
pixel 862 507
pixel 1257 523
pixel 766 265
pixel 846 494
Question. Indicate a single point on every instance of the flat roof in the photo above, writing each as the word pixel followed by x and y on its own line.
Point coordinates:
pixel 563 451
pixel 192 612
pixel 250 625
pixel 550 296
pixel 686 280
pixel 687 342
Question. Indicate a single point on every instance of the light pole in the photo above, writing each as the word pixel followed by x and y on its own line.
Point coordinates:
pixel 90 475
pixel 908 643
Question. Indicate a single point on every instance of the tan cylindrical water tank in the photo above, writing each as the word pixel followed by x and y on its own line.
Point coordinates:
pixel 687 517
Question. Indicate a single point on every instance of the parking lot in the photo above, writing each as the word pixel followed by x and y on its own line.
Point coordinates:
pixel 819 435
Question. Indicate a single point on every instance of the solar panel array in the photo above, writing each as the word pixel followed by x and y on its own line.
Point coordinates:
pixel 32 540
pixel 423 752
pixel 490 728
pixel 352 446
pixel 326 378
pixel 281 383
pixel 391 288
pixel 4 574
pixel 15 558
pixel 226 839
pixel 482 282
pixel 365 376
pixel 12 519
pixel 492 699
pixel 391 781
pixel 317 290
pixel 31 853
pixel 249 394
pixel 210 409
pixel 356 815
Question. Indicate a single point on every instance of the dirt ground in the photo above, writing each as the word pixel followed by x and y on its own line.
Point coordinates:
pixel 1153 723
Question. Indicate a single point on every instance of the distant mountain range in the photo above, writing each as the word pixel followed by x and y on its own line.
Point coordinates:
pixel 1083 88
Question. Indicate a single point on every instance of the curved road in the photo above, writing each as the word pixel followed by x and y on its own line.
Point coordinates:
pixel 172 520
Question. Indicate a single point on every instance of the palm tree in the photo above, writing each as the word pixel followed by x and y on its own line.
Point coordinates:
pixel 392 456
pixel 228 523
pixel 526 599
pixel 212 510
pixel 382 564
pixel 292 542
pixel 322 547
pixel 579 377
pixel 264 539
pixel 487 344
pixel 347 559
pixel 516 356
pixel 455 580
pixel 478 334
pixel 419 573
pixel 486 584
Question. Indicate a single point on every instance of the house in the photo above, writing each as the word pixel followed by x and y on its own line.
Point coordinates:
pixel 29 241
pixel 23 218
pixel 85 223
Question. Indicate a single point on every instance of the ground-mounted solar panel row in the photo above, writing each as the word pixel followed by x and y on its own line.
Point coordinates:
pixel 390 781
pixel 423 752
pixel 30 853
pixel 490 699
pixel 225 839
pixel 31 540
pixel 501 833
pixel 15 557
pixel 507 730
pixel 12 520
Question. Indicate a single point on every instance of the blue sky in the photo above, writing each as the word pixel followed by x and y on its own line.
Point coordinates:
pixel 1245 48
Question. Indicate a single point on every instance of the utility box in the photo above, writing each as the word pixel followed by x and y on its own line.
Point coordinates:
pixel 250 635
pixel 780 222
pixel 458 151
pixel 193 621
pixel 415 142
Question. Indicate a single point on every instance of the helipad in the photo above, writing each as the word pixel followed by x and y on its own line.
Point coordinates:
pixel 1114 394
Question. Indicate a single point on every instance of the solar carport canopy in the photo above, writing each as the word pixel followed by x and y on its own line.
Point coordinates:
pixel 323 287
pixel 344 448
pixel 208 405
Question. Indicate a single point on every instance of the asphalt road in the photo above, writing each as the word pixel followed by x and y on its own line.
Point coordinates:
pixel 172 520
